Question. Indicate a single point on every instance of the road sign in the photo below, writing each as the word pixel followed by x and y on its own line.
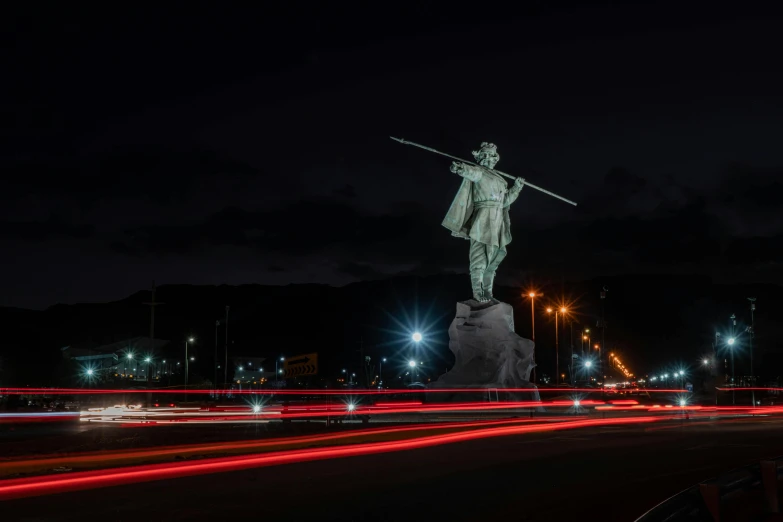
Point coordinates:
pixel 301 365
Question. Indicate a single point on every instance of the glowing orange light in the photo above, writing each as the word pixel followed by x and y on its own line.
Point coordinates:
pixel 562 310
pixel 549 310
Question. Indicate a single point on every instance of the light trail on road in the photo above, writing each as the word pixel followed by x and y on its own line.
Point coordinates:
pixel 35 486
pixel 97 457
pixel 223 393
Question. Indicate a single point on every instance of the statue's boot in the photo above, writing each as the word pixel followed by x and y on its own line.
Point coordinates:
pixel 487 282
pixel 477 283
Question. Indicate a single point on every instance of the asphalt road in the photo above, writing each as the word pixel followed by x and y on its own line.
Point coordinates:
pixel 606 473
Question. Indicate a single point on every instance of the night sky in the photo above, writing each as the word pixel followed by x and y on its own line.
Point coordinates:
pixel 211 145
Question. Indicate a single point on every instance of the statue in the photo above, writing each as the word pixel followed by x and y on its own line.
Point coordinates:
pixel 479 213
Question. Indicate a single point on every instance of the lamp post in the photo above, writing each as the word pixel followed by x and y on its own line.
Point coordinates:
pixel 187 359
pixel 532 296
pixel 562 310
pixel 750 347
pixel 148 360
pixel 731 342
pixel 277 372
pixel 380 371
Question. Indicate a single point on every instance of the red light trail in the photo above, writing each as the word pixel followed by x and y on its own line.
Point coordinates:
pixel 219 393
pixel 34 486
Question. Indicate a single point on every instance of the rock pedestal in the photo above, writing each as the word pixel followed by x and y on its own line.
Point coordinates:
pixel 489 353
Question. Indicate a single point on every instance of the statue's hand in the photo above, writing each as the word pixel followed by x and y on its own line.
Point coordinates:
pixel 456 167
pixel 519 183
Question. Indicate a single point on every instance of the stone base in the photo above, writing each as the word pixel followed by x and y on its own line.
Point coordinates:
pixel 489 354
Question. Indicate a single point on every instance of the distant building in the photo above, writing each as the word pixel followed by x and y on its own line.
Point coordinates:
pixel 251 370
pixel 123 359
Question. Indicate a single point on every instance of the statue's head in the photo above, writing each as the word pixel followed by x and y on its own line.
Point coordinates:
pixel 487 156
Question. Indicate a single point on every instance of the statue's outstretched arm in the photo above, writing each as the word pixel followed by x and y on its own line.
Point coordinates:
pixel 513 192
pixel 469 172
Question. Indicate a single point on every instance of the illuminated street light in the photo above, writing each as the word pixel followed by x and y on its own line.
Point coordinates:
pixel 351 406
pixel 576 403
pixel 256 409
pixel 147 359
pixel 730 341
pixel 705 361
pixel 683 403
pixel 240 368
pixel 416 337
pixel 588 364
pixel 90 371
pixel 130 356
pixel 412 364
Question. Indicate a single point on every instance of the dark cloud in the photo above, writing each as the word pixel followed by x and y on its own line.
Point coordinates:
pixel 150 172
pixel 44 230
pixel 301 228
pixel 360 270
pixel 346 190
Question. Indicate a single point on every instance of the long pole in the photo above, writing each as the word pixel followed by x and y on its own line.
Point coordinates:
pixel 217 323
pixel 406 142
pixel 571 362
pixel 225 362
pixel 557 354
pixel 533 323
pixel 752 333
pixel 603 326
pixel 733 380
pixel 186 365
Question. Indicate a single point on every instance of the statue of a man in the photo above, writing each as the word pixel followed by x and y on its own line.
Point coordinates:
pixel 480 213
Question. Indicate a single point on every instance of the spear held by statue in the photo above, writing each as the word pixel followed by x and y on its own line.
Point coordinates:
pixel 527 183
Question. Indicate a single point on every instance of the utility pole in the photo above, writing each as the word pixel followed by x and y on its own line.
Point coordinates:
pixel 225 364
pixel 571 366
pixel 752 333
pixel 734 341
pixel 603 325
pixel 152 304
pixel 557 350
pixel 215 360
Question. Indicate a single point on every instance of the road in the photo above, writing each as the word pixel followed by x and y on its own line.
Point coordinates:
pixel 605 473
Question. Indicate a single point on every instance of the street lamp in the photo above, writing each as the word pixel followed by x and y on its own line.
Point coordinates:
pixel 278 372
pixel 380 371
pixel 532 296
pixel 730 342
pixel 187 341
pixel 416 337
pixel 561 311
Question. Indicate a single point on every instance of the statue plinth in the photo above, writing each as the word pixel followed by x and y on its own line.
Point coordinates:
pixel 489 354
